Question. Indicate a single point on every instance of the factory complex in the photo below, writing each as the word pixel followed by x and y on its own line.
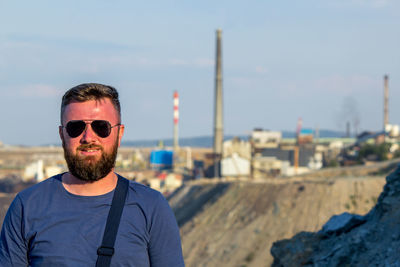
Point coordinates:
pixel 264 154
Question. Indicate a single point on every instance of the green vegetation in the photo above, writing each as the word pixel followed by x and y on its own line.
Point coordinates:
pixel 11 167
pixel 396 154
pixel 353 200
pixel 377 152
pixel 249 257
pixel 333 163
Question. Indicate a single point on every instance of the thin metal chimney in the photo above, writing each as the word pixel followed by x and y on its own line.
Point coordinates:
pixel 218 116
pixel 348 129
pixel 386 102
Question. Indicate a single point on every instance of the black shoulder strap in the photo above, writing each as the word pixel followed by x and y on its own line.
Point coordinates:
pixel 106 250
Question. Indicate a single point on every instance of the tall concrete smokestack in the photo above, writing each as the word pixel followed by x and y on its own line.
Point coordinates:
pixel 386 102
pixel 218 122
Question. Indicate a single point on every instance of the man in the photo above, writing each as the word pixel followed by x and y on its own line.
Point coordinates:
pixel 61 221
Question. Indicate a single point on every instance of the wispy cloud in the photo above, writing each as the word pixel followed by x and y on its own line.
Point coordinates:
pixel 37 91
pixel 203 62
pixel 177 62
pixel 363 3
pixel 198 62
pixel 57 41
pixel 95 64
pixel 245 82
pixel 373 3
pixel 345 84
pixel 261 70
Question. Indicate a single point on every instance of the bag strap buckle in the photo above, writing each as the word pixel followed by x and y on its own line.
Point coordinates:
pixel 105 251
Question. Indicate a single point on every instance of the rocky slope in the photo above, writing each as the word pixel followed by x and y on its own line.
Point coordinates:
pixel 350 240
pixel 234 223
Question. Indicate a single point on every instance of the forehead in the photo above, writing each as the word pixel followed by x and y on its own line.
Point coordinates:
pixel 91 110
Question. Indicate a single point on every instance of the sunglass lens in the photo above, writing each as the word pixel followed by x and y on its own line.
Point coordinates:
pixel 101 128
pixel 75 128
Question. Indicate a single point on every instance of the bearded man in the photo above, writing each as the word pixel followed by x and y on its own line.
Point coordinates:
pixel 61 221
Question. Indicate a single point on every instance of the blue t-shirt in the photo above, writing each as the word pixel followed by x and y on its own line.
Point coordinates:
pixel 48 226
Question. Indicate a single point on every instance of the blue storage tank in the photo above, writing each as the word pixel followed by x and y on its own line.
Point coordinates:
pixel 161 159
pixel 306 132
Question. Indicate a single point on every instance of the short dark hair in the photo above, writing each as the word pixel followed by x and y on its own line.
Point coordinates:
pixel 90 91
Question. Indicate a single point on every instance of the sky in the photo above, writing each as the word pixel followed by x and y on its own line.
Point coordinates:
pixel 319 60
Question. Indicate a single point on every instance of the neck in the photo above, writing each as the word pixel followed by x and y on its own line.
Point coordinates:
pixel 84 188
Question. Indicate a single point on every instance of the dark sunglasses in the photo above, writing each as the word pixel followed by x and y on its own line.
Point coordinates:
pixel 101 127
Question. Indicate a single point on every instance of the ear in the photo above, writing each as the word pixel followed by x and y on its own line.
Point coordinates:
pixel 121 130
pixel 60 132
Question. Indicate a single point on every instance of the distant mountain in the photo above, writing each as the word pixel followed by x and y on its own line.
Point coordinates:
pixel 322 134
pixel 199 141
pixel 207 141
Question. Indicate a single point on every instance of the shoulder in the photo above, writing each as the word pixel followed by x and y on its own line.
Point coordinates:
pixel 144 194
pixel 44 188
pixel 143 190
pixel 29 200
pixel 145 197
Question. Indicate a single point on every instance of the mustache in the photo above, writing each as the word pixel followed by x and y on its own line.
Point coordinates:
pixel 89 146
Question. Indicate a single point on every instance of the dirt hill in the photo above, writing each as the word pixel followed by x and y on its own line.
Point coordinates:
pixel 234 223
pixel 348 239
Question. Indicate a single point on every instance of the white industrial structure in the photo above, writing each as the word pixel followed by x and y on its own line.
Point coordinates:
pixel 235 165
pixel 236 158
pixel 266 138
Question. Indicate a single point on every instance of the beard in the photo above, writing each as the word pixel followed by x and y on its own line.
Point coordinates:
pixel 88 168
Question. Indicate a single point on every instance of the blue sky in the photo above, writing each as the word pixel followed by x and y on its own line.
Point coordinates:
pixel 321 60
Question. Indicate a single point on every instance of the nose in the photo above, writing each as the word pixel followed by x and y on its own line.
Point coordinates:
pixel 88 135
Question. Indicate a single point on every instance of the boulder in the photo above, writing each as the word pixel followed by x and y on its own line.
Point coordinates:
pixel 349 239
pixel 344 222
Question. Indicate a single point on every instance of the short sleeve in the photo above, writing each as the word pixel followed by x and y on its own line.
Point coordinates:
pixel 13 249
pixel 165 244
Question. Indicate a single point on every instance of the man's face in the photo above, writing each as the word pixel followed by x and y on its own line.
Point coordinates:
pixel 89 156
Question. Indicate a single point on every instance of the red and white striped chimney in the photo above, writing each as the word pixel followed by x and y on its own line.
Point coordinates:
pixel 176 120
